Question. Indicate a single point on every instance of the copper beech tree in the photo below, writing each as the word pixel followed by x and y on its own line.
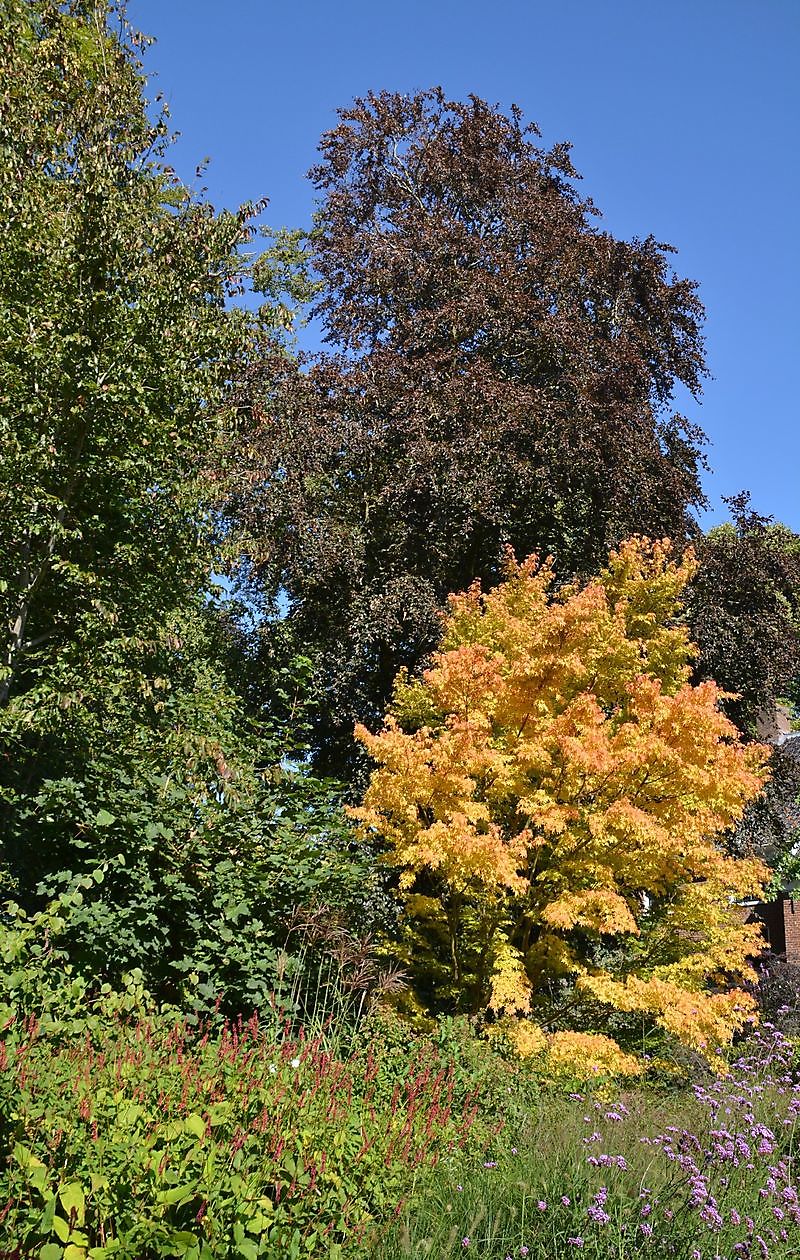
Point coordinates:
pixel 498 369
pixel 550 792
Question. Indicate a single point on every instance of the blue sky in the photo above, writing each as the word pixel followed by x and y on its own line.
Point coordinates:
pixel 684 120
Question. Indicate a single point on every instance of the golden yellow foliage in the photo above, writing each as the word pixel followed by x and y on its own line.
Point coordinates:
pixel 556 783
pixel 583 1055
pixel 510 987
pixel 523 1036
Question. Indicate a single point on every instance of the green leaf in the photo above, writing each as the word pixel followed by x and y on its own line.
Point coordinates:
pixel 46 1223
pixel 103 819
pixel 219 1114
pixel 61 1228
pixel 178 1194
pixel 195 1124
pixel 182 1238
pixel 51 1251
pixel 257 1223
pixel 35 1169
pixel 73 1199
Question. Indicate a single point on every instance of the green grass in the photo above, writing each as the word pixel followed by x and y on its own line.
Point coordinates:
pixel 537 1190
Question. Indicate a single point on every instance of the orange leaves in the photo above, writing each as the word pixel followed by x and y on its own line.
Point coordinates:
pixel 584 1055
pixel 465 854
pixel 465 682
pixel 425 800
pixel 566 781
pixel 701 1020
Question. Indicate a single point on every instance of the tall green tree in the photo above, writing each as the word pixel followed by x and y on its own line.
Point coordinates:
pixel 125 752
pixel 500 372
pixel 115 350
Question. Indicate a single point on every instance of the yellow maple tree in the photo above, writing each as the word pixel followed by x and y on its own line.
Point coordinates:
pixel 552 792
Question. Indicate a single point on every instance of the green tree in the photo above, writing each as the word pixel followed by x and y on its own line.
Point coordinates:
pixel 116 346
pixel 124 749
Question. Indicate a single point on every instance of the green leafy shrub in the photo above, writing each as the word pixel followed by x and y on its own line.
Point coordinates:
pixel 133 736
pixel 197 891
pixel 143 1137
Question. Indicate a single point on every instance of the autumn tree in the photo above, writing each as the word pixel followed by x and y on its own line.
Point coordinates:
pixel 550 793
pixel 500 371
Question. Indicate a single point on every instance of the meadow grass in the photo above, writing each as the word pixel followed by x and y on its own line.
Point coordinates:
pixel 707 1172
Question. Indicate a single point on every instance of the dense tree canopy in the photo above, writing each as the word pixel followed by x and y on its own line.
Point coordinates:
pixel 500 372
pixel 499 378
pixel 125 753
pixel 116 347
pixel 743 606
pixel 744 610
pixel 552 793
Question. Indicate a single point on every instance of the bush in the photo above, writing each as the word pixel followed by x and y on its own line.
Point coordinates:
pixel 778 994
pixel 197 894
pixel 143 1137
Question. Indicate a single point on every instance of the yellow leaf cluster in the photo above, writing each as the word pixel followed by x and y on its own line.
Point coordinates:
pixel 554 778
pixel 573 1055
pixel 510 986
pixel 584 1055
pixel 701 1020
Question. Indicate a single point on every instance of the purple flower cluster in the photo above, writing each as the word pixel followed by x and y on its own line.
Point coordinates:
pixel 742 1154
pixel 730 1179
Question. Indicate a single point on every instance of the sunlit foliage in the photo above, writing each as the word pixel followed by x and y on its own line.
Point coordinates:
pixel 550 792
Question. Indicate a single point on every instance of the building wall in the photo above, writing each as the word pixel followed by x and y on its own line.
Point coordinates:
pixel 791 923
pixel 780 920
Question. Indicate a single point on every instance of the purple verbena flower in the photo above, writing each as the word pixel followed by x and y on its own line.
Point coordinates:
pixel 598 1215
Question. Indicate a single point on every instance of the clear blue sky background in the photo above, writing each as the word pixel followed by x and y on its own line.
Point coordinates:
pixel 683 115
